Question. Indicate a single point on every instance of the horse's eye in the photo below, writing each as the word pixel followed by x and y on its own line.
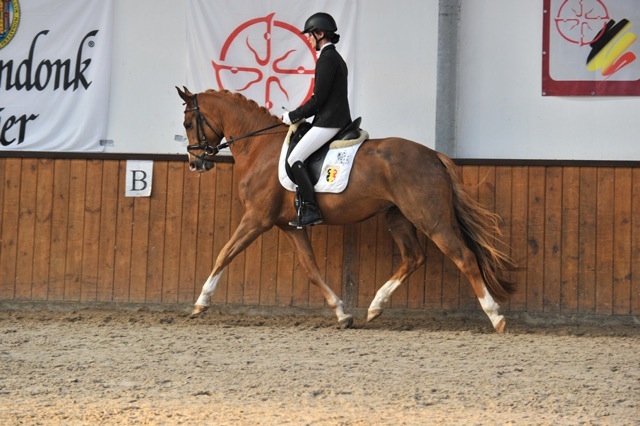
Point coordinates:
pixel 188 125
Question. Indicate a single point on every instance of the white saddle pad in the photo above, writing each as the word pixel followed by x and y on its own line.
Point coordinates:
pixel 335 168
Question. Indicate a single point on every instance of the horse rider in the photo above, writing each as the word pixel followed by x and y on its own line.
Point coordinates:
pixel 329 106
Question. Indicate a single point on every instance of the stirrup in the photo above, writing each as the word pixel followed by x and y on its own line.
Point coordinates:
pixel 308 214
pixel 298 223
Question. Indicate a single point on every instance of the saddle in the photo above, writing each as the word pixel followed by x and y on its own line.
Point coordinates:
pixel 314 163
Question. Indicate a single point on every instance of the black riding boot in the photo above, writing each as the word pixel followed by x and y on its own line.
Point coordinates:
pixel 308 211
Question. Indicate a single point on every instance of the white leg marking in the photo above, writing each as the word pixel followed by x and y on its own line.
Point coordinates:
pixel 383 295
pixel 490 307
pixel 208 288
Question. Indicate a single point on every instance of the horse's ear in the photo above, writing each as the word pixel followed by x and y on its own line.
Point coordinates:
pixel 185 94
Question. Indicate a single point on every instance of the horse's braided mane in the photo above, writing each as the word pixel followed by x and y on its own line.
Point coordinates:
pixel 250 102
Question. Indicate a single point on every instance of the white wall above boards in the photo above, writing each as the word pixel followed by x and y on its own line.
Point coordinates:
pixel 501 110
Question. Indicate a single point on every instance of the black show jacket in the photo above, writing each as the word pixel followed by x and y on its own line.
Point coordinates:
pixel 329 104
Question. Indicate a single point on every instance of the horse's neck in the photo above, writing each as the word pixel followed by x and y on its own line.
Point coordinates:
pixel 261 148
pixel 241 118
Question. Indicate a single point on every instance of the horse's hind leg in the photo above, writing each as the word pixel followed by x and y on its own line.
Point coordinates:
pixel 453 246
pixel 404 235
pixel 302 246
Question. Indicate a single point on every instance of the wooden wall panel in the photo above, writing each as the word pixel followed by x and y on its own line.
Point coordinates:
pixel 91 232
pixel 252 273
pixel 188 237
pixel 123 247
pixel 68 233
pixel 156 235
pixel 139 249
pixel 172 228
pixel 26 228
pixel 42 230
pixel 587 241
pixel 552 267
pixel 75 229
pixel 108 227
pixel 569 245
pixel 622 232
pixel 3 166
pixel 535 238
pixel 9 228
pixel 286 262
pixel 59 226
pixel 269 268
pixel 635 243
pixel 605 208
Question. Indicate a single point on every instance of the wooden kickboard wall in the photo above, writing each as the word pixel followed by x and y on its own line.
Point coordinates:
pixel 68 233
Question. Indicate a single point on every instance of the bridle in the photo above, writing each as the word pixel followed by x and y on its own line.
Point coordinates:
pixel 211 150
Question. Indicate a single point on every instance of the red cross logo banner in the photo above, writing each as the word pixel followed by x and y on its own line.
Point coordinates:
pixel 254 47
pixel 591 48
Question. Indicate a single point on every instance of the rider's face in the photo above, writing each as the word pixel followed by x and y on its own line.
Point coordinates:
pixel 313 40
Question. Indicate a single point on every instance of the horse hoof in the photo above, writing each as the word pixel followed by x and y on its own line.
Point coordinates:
pixel 197 310
pixel 499 326
pixel 373 314
pixel 346 321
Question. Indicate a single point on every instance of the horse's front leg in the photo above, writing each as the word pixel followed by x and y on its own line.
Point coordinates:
pixel 209 287
pixel 248 230
pixel 301 244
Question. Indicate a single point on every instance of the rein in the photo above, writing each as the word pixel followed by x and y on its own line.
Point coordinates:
pixel 209 150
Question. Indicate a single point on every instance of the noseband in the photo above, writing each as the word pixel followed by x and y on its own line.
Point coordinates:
pixel 210 150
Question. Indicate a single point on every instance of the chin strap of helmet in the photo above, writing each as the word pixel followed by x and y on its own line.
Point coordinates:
pixel 313 33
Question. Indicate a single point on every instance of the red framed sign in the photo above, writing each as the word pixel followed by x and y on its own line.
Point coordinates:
pixel 591 48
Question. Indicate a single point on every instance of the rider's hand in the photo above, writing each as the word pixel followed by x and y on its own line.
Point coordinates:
pixel 285 118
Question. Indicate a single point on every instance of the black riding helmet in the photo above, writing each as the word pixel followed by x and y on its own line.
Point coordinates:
pixel 320 22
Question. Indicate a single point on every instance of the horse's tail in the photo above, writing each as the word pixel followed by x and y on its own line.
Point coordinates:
pixel 481 232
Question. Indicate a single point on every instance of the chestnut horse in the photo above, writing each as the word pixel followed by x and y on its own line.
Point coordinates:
pixel 416 188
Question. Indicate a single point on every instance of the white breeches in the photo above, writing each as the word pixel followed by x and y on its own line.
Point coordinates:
pixel 311 142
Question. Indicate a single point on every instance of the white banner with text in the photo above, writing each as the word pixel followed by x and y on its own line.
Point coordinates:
pixel 55 68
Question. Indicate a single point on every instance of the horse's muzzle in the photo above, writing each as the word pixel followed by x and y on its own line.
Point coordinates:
pixel 200 165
